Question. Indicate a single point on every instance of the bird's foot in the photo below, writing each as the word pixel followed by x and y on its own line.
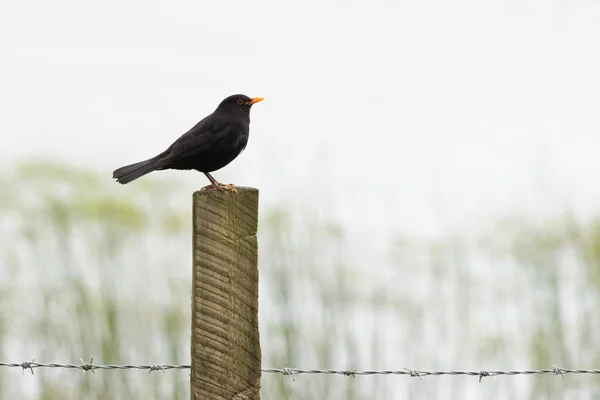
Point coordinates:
pixel 227 187
pixel 224 187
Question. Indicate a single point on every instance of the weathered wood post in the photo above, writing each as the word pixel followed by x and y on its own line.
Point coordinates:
pixel 226 356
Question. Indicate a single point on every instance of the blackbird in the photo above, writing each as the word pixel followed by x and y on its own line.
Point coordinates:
pixel 210 145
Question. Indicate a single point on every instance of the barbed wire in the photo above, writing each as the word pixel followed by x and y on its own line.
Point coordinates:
pixel 554 370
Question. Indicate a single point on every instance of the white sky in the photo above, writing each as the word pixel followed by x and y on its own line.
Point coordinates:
pixel 414 114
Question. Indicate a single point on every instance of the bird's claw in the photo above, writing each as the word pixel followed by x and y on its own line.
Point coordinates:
pixel 223 187
pixel 228 187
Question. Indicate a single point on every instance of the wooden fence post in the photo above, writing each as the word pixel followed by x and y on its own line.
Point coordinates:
pixel 226 356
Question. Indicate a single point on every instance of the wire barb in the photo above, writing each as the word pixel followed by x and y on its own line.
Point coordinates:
pixel 414 373
pixel 483 374
pixel 557 371
pixel 87 367
pixel 156 367
pixel 350 372
pixel 27 365
pixel 289 371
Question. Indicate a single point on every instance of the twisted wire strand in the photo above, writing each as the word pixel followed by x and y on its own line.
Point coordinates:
pixel 554 370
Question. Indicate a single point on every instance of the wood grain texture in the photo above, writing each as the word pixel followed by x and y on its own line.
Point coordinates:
pixel 226 355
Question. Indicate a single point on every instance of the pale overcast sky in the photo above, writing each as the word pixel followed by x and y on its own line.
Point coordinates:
pixel 405 110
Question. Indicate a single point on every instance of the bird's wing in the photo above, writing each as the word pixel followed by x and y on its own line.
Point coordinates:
pixel 197 140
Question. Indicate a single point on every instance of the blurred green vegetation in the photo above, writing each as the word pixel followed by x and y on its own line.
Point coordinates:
pixel 93 269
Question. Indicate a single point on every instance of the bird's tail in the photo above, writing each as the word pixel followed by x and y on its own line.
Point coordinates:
pixel 131 172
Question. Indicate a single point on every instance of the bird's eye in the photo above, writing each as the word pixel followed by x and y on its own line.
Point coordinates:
pixel 240 101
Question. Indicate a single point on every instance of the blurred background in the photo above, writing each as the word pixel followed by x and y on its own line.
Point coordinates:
pixel 428 181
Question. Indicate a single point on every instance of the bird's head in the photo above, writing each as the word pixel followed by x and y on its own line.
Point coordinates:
pixel 237 103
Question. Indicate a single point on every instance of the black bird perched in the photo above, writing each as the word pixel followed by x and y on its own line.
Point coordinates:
pixel 210 145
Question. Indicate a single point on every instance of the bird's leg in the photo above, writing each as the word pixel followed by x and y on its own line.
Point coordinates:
pixel 213 182
pixel 219 186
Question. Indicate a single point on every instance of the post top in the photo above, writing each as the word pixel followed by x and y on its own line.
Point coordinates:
pixel 240 189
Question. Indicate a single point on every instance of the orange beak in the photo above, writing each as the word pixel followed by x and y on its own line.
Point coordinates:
pixel 256 100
